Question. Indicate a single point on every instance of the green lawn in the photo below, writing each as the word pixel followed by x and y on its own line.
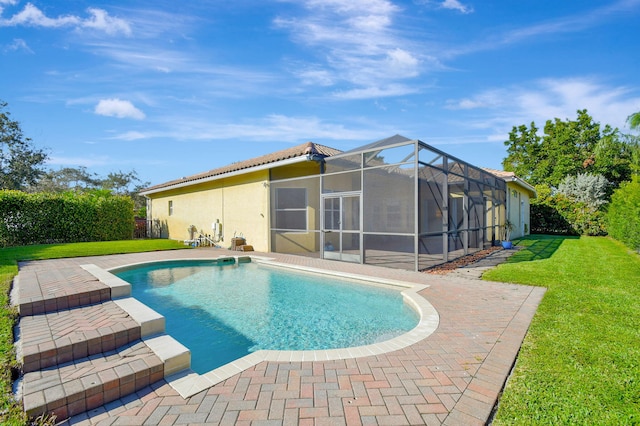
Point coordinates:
pixel 580 361
pixel 11 413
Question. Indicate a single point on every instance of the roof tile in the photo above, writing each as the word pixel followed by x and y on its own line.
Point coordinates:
pixel 293 152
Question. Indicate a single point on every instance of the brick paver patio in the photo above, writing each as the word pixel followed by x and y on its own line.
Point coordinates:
pixel 452 377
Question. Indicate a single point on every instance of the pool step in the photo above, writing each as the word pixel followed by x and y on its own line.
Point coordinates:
pixel 80 351
pixel 54 338
pixel 36 293
pixel 88 383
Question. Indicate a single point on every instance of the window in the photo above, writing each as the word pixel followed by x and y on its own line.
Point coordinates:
pixel 291 209
pixel 170 207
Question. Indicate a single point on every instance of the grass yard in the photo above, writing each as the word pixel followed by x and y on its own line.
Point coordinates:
pixel 10 412
pixel 580 361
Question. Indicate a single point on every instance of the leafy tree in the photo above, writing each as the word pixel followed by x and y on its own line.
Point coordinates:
pixel 634 121
pixel 66 179
pixel 568 148
pixel 20 161
pixel 615 157
pixel 593 190
pixel 128 184
pixel 523 149
pixel 80 180
pixel 120 182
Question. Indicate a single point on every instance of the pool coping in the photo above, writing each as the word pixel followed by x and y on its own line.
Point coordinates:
pixel 188 383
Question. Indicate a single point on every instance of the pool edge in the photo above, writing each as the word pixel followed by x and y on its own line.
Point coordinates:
pixel 188 383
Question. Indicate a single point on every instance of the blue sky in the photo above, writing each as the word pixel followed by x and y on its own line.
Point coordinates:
pixel 176 88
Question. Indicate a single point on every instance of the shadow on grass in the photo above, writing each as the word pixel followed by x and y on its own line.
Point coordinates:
pixel 537 247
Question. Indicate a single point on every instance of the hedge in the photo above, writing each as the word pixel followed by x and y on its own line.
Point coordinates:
pixel 623 217
pixel 557 214
pixel 43 218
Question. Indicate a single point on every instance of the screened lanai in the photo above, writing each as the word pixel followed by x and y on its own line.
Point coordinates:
pixel 396 203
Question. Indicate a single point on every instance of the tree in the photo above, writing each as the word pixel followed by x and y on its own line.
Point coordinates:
pixel 634 121
pixel 522 153
pixel 586 188
pixel 66 179
pixel 568 148
pixel 128 184
pixel 20 162
pixel 80 180
pixel 615 156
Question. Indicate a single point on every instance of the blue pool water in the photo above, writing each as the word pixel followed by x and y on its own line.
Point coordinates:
pixel 222 313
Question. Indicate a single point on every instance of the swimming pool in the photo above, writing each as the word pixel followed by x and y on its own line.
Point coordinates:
pixel 222 313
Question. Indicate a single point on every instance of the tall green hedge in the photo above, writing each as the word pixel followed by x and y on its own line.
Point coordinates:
pixel 43 218
pixel 623 217
pixel 555 213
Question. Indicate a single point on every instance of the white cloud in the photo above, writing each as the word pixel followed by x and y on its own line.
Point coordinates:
pixel 356 42
pixel 275 127
pixel 456 5
pixel 578 22
pixel 18 44
pixel 32 16
pixel 79 161
pixel 376 92
pixel 502 108
pixel 9 2
pixel 402 63
pixel 486 99
pixel 134 135
pixel 315 77
pixel 447 4
pixel 99 20
pixel 118 108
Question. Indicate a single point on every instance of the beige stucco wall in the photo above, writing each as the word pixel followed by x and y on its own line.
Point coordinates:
pixel 240 203
pixel 518 209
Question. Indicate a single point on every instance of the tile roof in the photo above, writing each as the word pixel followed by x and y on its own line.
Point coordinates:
pixel 285 154
pixel 511 177
pixel 500 173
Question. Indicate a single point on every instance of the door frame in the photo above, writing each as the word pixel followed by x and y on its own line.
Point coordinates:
pixel 338 253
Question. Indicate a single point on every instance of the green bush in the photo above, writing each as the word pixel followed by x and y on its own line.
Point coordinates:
pixel 623 217
pixel 42 218
pixel 558 214
pixel 546 219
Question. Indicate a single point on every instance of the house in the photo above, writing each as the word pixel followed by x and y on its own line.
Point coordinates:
pixel 397 202
pixel 519 194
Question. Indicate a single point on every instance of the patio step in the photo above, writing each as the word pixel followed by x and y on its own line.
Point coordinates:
pixel 75 387
pixel 54 338
pixel 78 359
pixel 35 293
pixel 88 383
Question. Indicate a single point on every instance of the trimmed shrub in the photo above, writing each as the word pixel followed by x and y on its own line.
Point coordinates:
pixel 559 214
pixel 42 218
pixel 623 217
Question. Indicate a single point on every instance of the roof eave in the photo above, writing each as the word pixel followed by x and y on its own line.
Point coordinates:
pixel 523 184
pixel 258 168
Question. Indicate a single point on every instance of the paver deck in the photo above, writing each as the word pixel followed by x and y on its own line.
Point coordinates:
pixel 452 377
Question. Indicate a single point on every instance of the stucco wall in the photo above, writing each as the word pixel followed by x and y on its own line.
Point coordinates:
pixel 240 203
pixel 518 209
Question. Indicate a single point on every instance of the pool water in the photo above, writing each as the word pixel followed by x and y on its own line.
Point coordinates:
pixel 222 313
